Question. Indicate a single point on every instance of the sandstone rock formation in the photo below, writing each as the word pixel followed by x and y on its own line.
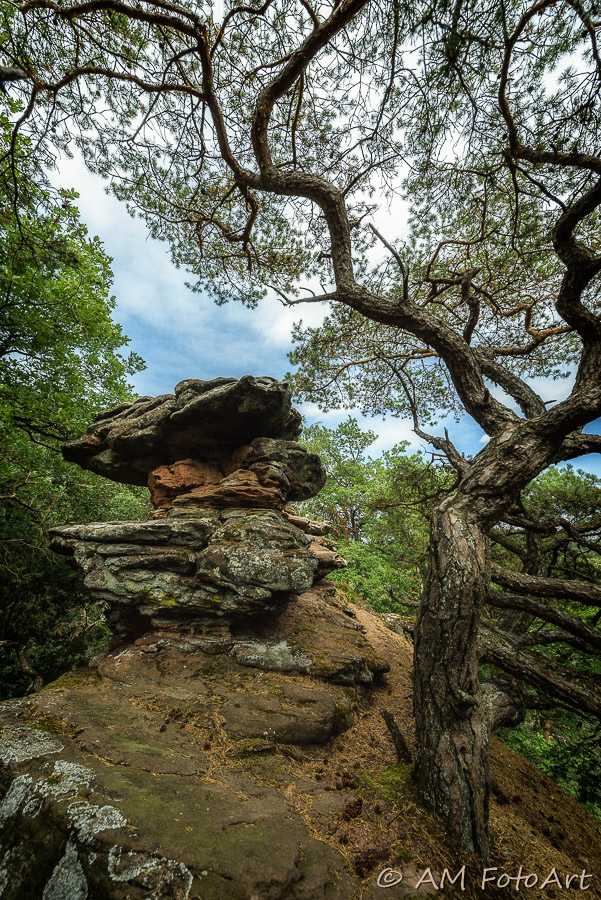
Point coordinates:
pixel 221 468
pixel 231 747
pixel 251 764
pixel 204 420
pixel 139 777
pixel 167 770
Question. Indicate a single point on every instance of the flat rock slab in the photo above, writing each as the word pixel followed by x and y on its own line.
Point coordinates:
pixel 296 716
pixel 320 629
pixel 215 564
pixel 76 828
pixel 132 779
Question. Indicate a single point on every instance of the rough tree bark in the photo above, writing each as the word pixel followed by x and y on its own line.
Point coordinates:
pixel 452 766
pixel 453 723
pixel 564 683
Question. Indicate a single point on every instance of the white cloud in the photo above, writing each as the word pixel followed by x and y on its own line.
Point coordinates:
pixel 180 334
pixel 553 390
pixel 391 432
pixel 183 335
pixel 330 418
pixel 276 320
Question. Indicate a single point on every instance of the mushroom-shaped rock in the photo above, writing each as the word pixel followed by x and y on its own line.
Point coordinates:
pixel 202 420
pixel 221 465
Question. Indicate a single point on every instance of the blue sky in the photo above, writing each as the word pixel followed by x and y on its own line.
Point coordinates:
pixel 184 335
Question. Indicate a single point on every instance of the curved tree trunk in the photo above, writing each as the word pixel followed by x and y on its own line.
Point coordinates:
pixel 452 764
pixel 452 722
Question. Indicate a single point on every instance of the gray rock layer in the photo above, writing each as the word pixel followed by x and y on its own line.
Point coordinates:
pixel 208 563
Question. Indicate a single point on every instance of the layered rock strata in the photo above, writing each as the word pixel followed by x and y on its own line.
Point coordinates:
pixel 222 469
pixel 204 420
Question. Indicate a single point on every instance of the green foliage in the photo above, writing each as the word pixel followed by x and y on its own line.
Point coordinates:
pixel 489 111
pixel 573 497
pixel 566 506
pixel 566 747
pixel 346 362
pixel 379 510
pixel 59 364
pixel 425 80
pixel 59 348
pixel 45 611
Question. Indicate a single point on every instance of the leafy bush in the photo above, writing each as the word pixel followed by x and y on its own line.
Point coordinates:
pixel 566 747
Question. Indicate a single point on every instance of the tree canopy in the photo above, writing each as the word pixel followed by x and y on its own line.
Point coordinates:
pixel 262 146
pixel 59 347
pixel 59 364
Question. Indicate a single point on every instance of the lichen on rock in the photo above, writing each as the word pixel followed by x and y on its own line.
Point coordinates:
pixel 68 880
pixel 129 778
pixel 221 468
pixel 161 785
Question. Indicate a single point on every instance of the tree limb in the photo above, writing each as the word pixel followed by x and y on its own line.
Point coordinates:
pixel 581 591
pixel 577 688
pixel 502 600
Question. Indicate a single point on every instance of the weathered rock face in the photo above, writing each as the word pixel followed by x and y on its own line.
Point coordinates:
pixel 113 793
pixel 223 542
pixel 151 775
pixel 251 764
pixel 202 420
pixel 224 752
pixel 204 564
pixel 269 473
pixel 159 731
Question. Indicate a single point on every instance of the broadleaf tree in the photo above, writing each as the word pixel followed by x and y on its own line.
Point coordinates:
pixel 59 364
pixel 378 509
pixel 60 358
pixel 262 145
pixel 48 624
